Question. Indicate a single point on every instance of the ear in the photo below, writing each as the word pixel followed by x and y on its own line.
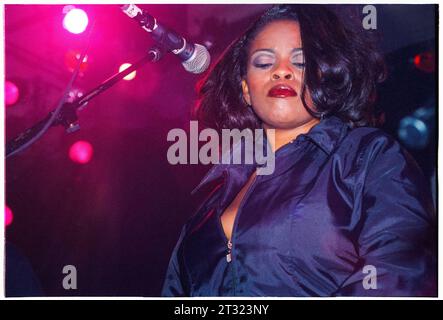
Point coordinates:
pixel 245 90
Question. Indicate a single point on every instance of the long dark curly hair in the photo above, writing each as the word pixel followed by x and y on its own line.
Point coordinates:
pixel 342 70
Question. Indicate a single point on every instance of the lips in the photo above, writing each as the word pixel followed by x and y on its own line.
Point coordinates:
pixel 281 91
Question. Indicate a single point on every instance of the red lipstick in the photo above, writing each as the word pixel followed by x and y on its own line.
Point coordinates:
pixel 281 91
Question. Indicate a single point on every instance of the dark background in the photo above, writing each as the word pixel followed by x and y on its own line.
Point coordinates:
pixel 118 217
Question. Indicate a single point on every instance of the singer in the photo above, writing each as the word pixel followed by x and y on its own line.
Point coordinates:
pixel 346 211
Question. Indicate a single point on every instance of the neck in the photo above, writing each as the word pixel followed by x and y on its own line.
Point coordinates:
pixel 284 136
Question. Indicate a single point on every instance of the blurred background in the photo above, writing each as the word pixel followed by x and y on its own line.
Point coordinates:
pixel 105 199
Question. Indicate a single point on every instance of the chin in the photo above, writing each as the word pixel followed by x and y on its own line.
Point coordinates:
pixel 285 120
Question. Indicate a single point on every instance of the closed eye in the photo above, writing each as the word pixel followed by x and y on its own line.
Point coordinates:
pixel 299 64
pixel 262 65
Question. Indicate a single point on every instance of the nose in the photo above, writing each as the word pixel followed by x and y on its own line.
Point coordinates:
pixel 282 72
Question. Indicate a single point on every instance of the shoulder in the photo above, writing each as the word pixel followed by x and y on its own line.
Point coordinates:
pixel 372 144
pixel 380 157
pixel 372 153
pixel 369 138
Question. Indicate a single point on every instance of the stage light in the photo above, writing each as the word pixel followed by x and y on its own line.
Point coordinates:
pixel 129 76
pixel 81 152
pixel 71 60
pixel 8 216
pixel 11 93
pixel 425 62
pixel 75 21
pixel 74 94
pixel 416 130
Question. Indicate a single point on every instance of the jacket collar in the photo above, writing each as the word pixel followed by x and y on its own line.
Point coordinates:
pixel 326 135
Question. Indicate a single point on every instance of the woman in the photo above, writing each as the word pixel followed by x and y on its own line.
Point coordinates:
pixel 345 212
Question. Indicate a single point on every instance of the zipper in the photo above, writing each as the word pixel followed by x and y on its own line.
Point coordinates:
pixel 222 231
pixel 228 254
pixel 234 228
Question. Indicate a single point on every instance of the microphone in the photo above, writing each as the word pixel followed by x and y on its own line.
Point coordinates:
pixel 195 57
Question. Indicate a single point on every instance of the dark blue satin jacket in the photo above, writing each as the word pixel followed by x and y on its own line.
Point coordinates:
pixel 345 213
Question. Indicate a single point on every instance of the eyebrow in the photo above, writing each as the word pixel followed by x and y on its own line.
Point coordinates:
pixel 272 50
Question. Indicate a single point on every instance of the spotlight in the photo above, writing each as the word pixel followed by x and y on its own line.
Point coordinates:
pixel 425 61
pixel 75 20
pixel 81 152
pixel 71 60
pixel 8 216
pixel 11 93
pixel 126 66
pixel 74 94
pixel 416 130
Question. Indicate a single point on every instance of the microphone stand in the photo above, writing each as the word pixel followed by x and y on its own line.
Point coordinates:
pixel 67 116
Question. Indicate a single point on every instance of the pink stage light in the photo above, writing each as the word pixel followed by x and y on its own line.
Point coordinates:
pixel 126 66
pixel 75 21
pixel 11 93
pixel 71 61
pixel 81 152
pixel 8 216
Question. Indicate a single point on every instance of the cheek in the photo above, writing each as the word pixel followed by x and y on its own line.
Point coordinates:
pixel 256 85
